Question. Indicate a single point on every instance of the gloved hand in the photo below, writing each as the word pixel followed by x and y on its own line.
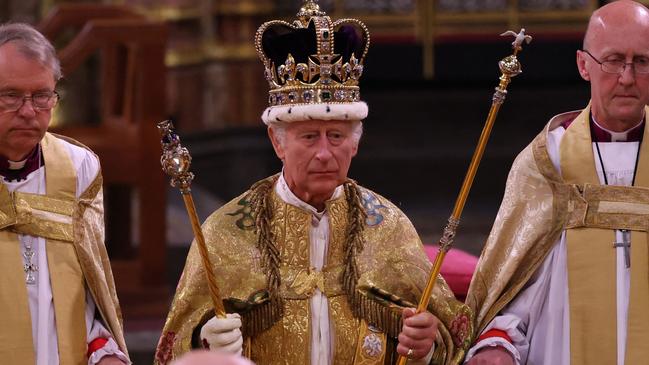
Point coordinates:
pixel 224 334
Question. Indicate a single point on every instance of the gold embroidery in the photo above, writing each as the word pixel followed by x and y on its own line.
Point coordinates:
pixel 32 214
pixel 51 217
pixel 7 209
pixel 45 203
pixel 46 229
pixel 301 283
pixel 516 247
pixel 306 282
pixel 19 214
pixel 288 340
pixel 609 207
pixel 345 326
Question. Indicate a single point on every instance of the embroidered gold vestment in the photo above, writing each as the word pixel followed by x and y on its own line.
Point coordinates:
pixel 74 232
pixel 392 270
pixel 539 204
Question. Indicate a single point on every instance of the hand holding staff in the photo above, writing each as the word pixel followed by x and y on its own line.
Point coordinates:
pixel 175 162
pixel 509 67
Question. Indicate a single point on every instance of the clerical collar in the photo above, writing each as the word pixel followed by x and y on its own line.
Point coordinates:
pixel 601 134
pixel 19 170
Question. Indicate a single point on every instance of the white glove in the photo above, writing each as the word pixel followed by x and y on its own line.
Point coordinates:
pixel 224 334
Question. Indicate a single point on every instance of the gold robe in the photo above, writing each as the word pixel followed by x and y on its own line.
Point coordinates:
pixel 539 204
pixel 74 232
pixel 392 270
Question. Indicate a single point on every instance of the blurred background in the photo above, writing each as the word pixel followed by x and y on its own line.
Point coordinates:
pixel 429 78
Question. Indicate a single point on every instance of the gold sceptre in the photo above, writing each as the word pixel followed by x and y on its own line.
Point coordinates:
pixel 509 67
pixel 175 162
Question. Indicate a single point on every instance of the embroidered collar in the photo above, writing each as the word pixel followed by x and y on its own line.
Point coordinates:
pixel 289 197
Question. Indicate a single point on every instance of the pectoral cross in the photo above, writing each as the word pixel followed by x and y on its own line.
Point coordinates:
pixel 29 267
pixel 626 243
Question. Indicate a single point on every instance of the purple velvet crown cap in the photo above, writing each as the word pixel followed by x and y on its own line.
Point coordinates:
pixel 280 40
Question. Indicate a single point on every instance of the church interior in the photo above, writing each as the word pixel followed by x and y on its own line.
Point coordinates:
pixel 428 80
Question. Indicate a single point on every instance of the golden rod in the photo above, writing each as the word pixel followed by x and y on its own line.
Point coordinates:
pixel 175 162
pixel 509 67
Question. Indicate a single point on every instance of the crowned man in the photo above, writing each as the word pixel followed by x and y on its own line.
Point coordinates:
pixel 313 268
pixel 57 297
pixel 563 278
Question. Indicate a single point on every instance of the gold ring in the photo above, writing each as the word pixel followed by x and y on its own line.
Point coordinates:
pixel 410 353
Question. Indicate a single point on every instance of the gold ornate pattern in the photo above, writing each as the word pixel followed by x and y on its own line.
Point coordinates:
pixel 88 228
pixel 535 192
pixel 338 218
pixel 7 208
pixel 301 283
pixel 46 204
pixel 591 260
pixel 86 257
pixel 24 213
pixel 345 326
pixel 232 249
pixel 609 207
pixel 291 233
pixel 46 229
pixel 14 304
pixel 516 247
pixel 287 342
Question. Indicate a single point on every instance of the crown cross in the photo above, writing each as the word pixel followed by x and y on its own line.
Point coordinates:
pixel 308 10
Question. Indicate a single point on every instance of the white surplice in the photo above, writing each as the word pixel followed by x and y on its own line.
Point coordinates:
pixel 538 319
pixel 41 304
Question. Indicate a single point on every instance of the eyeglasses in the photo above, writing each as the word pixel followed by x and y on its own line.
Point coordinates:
pixel 12 101
pixel 640 65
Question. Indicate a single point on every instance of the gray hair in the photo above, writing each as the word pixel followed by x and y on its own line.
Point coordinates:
pixel 32 44
pixel 280 131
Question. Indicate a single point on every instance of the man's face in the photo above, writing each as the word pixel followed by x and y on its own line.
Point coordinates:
pixel 316 156
pixel 21 130
pixel 618 100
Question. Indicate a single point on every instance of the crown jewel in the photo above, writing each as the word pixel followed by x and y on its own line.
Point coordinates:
pixel 313 60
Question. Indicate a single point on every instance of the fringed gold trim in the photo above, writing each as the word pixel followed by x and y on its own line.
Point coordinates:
pixel 378 308
pixel 262 316
pixel 354 243
pixel 381 310
pixel 262 211
pixel 374 312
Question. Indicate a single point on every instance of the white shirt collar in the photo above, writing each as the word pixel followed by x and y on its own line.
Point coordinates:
pixel 617 136
pixel 16 165
pixel 282 189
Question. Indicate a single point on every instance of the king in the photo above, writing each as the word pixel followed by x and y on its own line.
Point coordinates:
pixel 314 268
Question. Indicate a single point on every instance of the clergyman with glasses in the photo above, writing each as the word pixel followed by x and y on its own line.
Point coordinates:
pixel 57 296
pixel 564 275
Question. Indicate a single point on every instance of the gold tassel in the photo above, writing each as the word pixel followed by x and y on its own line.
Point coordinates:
pixel 379 309
pixel 383 316
pixel 264 315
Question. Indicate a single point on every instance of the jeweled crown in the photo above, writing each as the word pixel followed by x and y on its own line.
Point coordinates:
pixel 313 60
